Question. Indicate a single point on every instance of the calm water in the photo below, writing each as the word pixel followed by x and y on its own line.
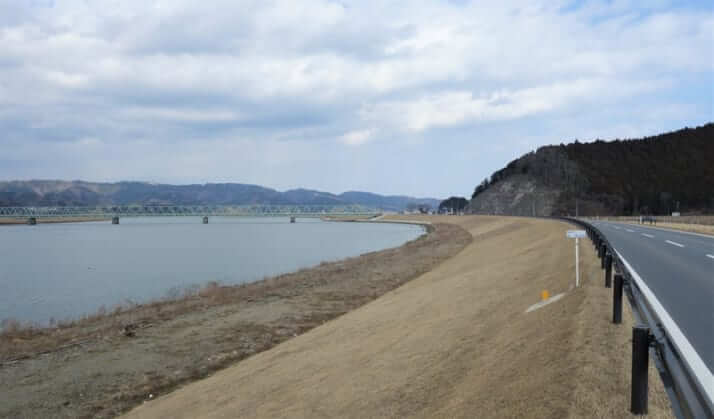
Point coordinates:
pixel 66 270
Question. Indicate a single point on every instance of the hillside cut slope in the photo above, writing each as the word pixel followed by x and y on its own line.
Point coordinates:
pixel 652 175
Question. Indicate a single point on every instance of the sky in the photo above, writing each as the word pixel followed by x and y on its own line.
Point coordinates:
pixel 423 97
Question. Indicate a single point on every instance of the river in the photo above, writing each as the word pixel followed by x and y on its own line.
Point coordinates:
pixel 63 271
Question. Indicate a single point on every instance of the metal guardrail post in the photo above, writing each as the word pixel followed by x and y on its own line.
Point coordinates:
pixel 617 299
pixel 608 270
pixel 604 256
pixel 640 366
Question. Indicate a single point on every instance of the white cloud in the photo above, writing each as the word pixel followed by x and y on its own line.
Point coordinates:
pixel 459 107
pixel 322 70
pixel 181 115
pixel 355 138
pixel 278 49
pixel 63 79
pixel 88 142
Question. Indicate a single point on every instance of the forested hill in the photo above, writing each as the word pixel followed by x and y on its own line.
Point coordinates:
pixel 652 175
pixel 80 193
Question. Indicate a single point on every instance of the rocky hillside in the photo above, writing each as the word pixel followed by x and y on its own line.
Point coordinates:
pixel 653 175
pixel 79 193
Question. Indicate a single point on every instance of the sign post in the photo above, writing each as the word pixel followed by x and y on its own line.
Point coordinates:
pixel 576 234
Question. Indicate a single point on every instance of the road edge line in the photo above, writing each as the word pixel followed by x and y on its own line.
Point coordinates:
pixel 674 243
pixel 681 343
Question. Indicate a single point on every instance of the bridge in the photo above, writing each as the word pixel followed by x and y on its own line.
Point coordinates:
pixel 32 214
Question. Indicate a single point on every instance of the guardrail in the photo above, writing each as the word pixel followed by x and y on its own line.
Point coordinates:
pixel 656 334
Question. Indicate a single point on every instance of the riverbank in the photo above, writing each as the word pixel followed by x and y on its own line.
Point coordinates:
pixel 103 365
pixel 458 341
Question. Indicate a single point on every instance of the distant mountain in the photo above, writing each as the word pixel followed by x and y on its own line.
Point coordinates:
pixel 388 203
pixel 313 197
pixel 80 193
pixel 653 175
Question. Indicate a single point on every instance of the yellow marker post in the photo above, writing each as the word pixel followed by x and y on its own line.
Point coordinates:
pixel 544 295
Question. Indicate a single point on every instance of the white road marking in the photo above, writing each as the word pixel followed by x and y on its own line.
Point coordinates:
pixel 616 228
pixel 648 235
pixel 674 243
pixel 710 256
pixel 684 348
pixel 706 236
pixel 544 303
pixel 630 231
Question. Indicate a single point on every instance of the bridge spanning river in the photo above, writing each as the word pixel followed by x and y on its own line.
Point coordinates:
pixel 116 211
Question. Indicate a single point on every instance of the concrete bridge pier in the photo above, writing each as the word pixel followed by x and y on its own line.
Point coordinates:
pixel 115 220
pixel 32 221
pixel 205 220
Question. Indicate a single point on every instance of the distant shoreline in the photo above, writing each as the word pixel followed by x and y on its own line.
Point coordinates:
pixel 23 221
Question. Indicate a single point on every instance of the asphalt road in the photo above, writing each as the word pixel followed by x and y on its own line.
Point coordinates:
pixel 679 268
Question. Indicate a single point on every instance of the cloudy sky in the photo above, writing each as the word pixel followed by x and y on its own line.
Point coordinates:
pixel 411 97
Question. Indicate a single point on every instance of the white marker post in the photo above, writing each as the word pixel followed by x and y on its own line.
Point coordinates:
pixel 576 234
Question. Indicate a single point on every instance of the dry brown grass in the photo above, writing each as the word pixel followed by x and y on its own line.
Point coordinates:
pixel 454 342
pixel 20 340
pixel 603 351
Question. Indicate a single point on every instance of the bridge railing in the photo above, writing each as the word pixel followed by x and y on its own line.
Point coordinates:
pixel 684 375
pixel 187 210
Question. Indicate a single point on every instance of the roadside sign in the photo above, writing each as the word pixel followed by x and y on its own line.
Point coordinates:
pixel 575 234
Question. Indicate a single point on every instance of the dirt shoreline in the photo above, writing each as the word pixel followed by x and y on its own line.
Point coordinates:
pixel 104 365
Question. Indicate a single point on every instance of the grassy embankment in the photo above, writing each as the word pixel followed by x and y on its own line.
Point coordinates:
pixel 454 342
